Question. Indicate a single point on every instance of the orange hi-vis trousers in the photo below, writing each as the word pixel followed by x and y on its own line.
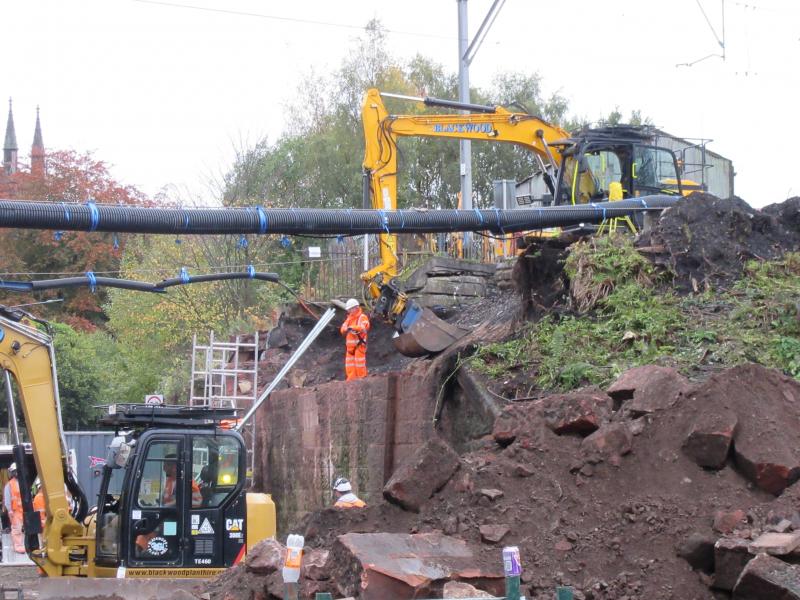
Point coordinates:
pixel 355 364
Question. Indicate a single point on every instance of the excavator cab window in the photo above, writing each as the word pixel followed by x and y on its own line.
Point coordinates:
pixel 652 169
pixel 157 511
pixel 108 513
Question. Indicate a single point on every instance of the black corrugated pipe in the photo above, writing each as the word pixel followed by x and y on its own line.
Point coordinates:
pixel 309 221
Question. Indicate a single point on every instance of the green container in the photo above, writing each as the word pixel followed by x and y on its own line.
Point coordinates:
pixel 564 593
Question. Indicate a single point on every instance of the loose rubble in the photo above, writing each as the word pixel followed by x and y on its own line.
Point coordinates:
pixel 657 487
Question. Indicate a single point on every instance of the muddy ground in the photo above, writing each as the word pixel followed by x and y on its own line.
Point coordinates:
pixel 610 524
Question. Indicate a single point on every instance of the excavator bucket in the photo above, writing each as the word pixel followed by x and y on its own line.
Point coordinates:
pixel 424 333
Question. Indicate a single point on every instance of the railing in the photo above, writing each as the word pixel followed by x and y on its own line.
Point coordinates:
pixel 336 272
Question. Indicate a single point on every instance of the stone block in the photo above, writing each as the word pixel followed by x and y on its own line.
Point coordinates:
pixel 768 577
pixel 369 567
pixel 698 551
pixel 455 286
pixel 730 557
pixel 710 439
pixel 776 544
pixel 423 474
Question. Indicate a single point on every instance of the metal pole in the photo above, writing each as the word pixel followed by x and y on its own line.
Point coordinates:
pixel 465 146
pixel 312 335
pixel 12 413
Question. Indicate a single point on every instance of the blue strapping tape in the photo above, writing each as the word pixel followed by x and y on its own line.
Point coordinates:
pixel 384 220
pixel 184 275
pixel 92 281
pixel 242 243
pixel 251 271
pixel 186 220
pixel 644 204
pixel 480 216
pixel 66 211
pixel 262 220
pixel 94 215
pixel 497 215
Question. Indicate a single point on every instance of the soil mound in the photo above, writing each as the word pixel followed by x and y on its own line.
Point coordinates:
pixel 705 241
pixel 608 523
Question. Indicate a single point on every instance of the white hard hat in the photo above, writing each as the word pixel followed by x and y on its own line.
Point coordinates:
pixel 13 467
pixel 342 485
pixel 352 303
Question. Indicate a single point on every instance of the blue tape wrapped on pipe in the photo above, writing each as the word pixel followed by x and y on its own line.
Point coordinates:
pixel 285 221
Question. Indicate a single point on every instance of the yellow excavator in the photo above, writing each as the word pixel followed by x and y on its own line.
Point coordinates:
pixel 173 500
pixel 608 163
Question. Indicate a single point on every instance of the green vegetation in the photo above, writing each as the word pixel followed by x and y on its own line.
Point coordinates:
pixel 627 315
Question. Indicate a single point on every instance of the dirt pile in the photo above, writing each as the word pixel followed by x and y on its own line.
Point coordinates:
pixel 609 523
pixel 706 241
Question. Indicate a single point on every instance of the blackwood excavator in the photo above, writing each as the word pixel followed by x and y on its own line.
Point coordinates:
pixel 608 163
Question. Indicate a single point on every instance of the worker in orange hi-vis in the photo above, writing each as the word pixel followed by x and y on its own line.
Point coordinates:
pixel 355 329
pixel 13 504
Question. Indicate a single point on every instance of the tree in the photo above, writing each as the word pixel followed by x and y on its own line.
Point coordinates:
pixel 69 177
pixel 318 161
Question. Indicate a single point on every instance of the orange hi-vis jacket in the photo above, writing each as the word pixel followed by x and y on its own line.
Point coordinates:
pixel 350 500
pixel 355 329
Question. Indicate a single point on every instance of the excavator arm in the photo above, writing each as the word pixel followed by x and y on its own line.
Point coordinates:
pixel 382 130
pixel 27 357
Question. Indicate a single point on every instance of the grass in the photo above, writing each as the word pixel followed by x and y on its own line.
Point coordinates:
pixel 626 315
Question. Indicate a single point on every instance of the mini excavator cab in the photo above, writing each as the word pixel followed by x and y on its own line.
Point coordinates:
pixel 172 498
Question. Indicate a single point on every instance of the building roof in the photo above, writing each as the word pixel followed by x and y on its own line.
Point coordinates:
pixel 11 135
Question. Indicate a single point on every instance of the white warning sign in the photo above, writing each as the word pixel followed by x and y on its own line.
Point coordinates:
pixel 206 528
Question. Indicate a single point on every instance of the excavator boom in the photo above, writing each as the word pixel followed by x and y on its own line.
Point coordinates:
pixel 27 357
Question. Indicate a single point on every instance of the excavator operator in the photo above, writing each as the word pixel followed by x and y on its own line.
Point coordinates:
pixel 355 329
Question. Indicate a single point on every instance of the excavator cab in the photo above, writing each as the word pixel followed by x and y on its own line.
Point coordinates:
pixel 593 159
pixel 172 501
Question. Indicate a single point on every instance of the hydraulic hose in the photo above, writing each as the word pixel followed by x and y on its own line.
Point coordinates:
pixel 93 281
pixel 308 221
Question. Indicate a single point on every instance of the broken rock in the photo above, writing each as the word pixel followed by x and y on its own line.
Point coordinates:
pixel 698 551
pixel 768 577
pixel 709 441
pixel 776 544
pixel 581 411
pixel 647 389
pixel 377 566
pixel 730 557
pixel 459 589
pixel 491 494
pixel 422 475
pixel 612 439
pixel 726 521
pixel 492 534
pixel 265 558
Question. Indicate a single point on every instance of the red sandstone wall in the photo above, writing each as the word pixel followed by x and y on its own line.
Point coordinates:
pixel 306 437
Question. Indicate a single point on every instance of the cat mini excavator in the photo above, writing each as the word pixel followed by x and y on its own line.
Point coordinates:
pixel 608 163
pixel 172 502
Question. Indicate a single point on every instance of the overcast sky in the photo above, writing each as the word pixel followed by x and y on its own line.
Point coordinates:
pixel 165 94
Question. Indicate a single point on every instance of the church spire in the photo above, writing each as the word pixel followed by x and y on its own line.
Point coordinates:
pixel 37 149
pixel 10 146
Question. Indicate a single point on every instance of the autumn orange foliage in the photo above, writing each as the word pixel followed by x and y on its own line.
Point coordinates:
pixel 69 177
